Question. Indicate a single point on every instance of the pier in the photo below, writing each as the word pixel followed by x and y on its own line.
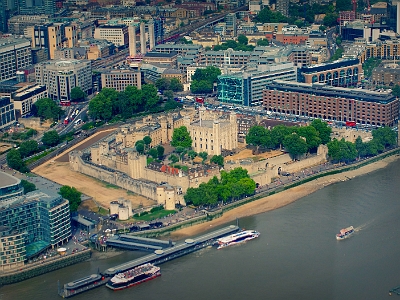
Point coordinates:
pixel 129 242
pixel 158 257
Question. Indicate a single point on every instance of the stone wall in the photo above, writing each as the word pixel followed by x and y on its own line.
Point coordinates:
pixel 141 187
pixel 47 266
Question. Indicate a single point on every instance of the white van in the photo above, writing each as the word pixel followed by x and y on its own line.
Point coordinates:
pixel 77 122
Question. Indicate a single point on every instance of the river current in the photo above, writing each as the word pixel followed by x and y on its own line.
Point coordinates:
pixel 296 256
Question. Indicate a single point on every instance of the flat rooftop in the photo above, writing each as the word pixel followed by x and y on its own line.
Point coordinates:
pixel 6 179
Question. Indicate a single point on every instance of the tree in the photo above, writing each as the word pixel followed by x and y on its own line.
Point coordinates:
pixel 203 79
pixel 181 137
pixel 150 96
pixel 343 5
pixel 385 136
pixel 160 151
pixel 50 138
pixel 259 136
pixel 323 129
pixel 100 107
pixel 27 148
pixel 46 109
pixel 173 158
pixel 295 145
pixel 263 42
pixel 192 154
pixel 342 151
pixel 396 90
pixel 162 84
pixel 242 39
pixel 268 16
pixel 147 141
pixel 175 85
pixel 218 160
pixel 15 161
pixel 311 136
pixel 278 134
pixel 28 186
pixel 153 153
pixel 139 145
pixel 72 195
pixel 77 94
pixel 322 28
pixel 169 94
pixel 330 20
pixel 203 155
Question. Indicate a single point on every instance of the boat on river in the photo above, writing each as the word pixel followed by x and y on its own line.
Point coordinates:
pixel 345 233
pixel 237 238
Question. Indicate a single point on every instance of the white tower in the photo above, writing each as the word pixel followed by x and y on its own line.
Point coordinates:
pixel 151 35
pixel 142 38
pixel 132 41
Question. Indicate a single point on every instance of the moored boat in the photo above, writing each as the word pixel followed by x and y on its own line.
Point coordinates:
pixel 237 238
pixel 133 277
pixel 345 233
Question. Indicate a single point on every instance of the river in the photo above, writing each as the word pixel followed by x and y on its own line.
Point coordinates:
pixel 296 256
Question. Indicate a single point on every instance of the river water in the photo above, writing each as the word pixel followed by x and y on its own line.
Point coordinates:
pixel 296 256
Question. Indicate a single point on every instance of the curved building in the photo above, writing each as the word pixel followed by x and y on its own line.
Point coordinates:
pixel 10 186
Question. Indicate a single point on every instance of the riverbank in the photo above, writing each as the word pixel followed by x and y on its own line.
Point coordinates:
pixel 280 199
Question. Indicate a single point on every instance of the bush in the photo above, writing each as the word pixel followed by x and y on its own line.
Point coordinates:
pixel 157 208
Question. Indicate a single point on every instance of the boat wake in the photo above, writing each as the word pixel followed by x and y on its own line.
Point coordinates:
pixel 364 226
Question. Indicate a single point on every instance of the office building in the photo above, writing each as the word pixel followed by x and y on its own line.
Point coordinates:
pixel 231 23
pixel 283 7
pixel 25 98
pixel 7 112
pixel 337 73
pixel 18 24
pixel 116 34
pixel 246 88
pixel 15 53
pixel 62 76
pixel 121 79
pixel 332 103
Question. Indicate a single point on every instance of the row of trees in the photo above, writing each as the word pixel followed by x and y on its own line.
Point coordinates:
pixel 47 109
pixel 232 185
pixel 72 195
pixel 166 84
pixel 109 102
pixel 240 45
pixel 344 151
pixel 296 140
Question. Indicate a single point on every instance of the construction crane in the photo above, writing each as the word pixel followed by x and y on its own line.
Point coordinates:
pixel 368 6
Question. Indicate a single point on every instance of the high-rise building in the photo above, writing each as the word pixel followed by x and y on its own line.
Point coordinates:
pixel 246 88
pixel 49 7
pixel 231 23
pixel 7 112
pixel 62 76
pixel 30 223
pixel 15 53
pixel 283 7
pixel 121 79
pixel 116 34
pixel 3 16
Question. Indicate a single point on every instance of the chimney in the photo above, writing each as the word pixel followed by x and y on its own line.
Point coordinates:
pixel 151 35
pixel 132 41
pixel 142 38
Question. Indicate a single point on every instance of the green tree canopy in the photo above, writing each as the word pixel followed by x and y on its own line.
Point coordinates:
pixel 396 90
pixel 100 107
pixel 175 85
pixel 147 140
pixel 77 94
pixel 342 151
pixel 242 39
pixel 259 136
pixel 173 158
pixel 15 161
pixel 160 151
pixel 204 79
pixel 218 160
pixel 385 136
pixel 203 155
pixel 46 109
pixel 268 16
pixel 311 135
pixel 72 195
pixel 323 129
pixel 263 42
pixel 28 186
pixel 162 84
pixel 27 148
pixel 139 145
pixel 295 145
pixel 181 137
pixel 153 153
pixel 192 154
pixel 169 94
pixel 50 138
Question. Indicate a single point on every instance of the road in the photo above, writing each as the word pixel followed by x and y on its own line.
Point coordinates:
pixel 331 48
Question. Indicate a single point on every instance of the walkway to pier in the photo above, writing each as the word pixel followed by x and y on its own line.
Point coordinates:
pixel 129 242
pixel 181 249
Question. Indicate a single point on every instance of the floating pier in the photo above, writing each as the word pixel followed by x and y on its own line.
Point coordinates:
pixel 395 290
pixel 130 242
pixel 158 257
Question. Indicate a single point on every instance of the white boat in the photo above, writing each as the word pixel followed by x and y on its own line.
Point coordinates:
pixel 345 233
pixel 237 238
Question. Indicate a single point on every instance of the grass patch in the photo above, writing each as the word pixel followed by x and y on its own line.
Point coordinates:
pixel 155 215
pixel 129 193
pixel 37 157
pixel 150 160
pixel 103 211
pixel 111 186
pixel 30 175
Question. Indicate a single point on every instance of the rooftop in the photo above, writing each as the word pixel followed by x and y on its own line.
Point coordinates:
pixel 7 180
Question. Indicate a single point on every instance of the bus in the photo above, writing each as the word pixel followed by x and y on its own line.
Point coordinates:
pixel 65 103
pixel 351 123
pixel 66 121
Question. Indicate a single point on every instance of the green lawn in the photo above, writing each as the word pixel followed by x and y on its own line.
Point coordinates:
pixel 155 215
pixel 103 211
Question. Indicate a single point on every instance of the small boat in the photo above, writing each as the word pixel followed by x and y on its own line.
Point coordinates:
pixel 345 233
pixel 237 238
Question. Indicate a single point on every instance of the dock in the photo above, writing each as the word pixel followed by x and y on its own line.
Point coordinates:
pixel 395 290
pixel 158 257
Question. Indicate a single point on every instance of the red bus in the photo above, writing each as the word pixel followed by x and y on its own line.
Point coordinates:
pixel 351 123
pixel 199 100
pixel 66 121
pixel 65 103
